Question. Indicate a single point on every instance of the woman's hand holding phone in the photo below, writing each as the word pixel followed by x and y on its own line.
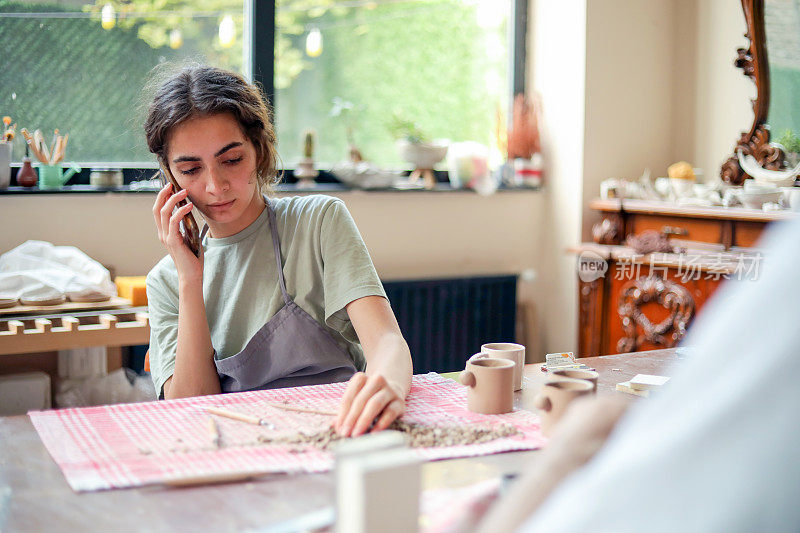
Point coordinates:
pixel 168 222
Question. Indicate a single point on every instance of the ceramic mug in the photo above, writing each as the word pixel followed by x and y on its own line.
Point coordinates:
pixel 53 176
pixel 555 396
pixel 490 385
pixel 510 351
pixel 570 373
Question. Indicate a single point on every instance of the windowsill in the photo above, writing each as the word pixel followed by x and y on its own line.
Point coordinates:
pixel 283 188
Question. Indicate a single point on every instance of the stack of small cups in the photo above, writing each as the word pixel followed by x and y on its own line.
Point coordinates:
pixel 561 388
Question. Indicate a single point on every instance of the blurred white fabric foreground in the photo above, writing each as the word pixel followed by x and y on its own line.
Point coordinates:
pixel 717 449
pixel 39 270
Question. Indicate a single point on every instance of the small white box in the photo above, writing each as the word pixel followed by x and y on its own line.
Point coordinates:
pixel 377 485
pixel 647 381
pixel 20 393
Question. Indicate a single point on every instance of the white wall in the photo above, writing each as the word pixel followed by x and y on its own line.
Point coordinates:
pixel 410 235
pixel 722 93
pixel 558 74
pixel 629 85
pixel 626 85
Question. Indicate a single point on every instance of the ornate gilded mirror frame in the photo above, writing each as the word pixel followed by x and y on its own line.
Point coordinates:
pixel 753 61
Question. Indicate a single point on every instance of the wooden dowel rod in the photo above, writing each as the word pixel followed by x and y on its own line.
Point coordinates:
pixel 241 417
pixel 286 407
pixel 211 479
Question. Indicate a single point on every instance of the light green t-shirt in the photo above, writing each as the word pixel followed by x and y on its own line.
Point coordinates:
pixel 325 263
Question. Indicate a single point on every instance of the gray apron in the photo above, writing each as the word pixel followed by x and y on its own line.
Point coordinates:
pixel 290 350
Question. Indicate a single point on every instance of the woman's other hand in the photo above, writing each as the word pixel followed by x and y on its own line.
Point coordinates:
pixel 168 219
pixel 369 399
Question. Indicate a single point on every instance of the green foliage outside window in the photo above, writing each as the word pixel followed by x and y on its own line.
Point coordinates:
pixel 426 62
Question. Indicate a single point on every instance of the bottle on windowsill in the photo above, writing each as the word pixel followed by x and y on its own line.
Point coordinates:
pixel 26 177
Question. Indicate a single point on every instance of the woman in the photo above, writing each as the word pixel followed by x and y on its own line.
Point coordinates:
pixel 283 292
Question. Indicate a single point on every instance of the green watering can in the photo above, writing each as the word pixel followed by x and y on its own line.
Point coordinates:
pixel 53 176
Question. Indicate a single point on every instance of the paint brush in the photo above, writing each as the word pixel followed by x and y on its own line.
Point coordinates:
pixel 53 146
pixel 40 144
pixel 241 417
pixel 31 140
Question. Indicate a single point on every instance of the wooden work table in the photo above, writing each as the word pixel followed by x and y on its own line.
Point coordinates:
pixel 34 495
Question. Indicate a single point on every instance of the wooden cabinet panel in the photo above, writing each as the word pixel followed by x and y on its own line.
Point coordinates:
pixel 653 324
pixel 746 234
pixel 681 228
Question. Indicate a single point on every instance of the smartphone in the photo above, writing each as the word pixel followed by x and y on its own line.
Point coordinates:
pixel 191 233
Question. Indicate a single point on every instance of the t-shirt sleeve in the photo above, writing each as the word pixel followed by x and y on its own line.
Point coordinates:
pixel 162 305
pixel 348 272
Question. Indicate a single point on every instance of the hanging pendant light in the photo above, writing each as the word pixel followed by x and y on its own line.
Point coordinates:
pixel 314 43
pixel 108 17
pixel 175 39
pixel 227 32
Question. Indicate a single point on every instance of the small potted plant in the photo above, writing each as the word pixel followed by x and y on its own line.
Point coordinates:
pixel 416 148
pixel 790 143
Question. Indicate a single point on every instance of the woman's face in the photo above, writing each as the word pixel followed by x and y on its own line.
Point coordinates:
pixel 215 162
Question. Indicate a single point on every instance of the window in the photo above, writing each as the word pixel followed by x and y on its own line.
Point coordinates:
pixel 80 67
pixel 348 69
pixel 353 71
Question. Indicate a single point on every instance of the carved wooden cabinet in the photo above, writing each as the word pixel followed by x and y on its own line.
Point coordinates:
pixel 646 302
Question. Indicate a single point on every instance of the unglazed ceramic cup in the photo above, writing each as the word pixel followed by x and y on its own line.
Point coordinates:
pixel 554 398
pixel 510 351
pixel 571 373
pixel 490 385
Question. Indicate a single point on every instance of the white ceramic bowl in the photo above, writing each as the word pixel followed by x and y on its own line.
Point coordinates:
pixel 791 197
pixel 756 199
pixel 785 182
pixel 681 187
pixel 754 186
pixel 422 155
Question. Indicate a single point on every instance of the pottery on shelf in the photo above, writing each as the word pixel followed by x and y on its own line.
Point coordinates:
pixel 424 156
pixel 305 172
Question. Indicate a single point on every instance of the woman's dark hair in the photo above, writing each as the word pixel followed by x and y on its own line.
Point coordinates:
pixel 196 91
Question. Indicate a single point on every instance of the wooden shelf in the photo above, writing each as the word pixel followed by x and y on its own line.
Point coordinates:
pixel 62 332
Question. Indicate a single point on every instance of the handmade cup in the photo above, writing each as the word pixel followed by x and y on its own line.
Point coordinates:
pixel 555 396
pixel 570 373
pixel 491 385
pixel 510 351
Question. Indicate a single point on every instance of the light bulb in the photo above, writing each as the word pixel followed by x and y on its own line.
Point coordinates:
pixel 227 32
pixel 108 17
pixel 314 43
pixel 175 39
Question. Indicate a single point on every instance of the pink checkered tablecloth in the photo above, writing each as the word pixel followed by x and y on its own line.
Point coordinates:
pixel 131 445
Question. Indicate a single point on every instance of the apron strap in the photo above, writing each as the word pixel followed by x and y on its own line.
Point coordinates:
pixel 276 245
